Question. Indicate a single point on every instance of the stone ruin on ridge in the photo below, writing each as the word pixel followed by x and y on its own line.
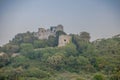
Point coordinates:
pixel 45 33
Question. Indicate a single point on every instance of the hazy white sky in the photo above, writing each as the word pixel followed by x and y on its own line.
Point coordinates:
pixel 101 18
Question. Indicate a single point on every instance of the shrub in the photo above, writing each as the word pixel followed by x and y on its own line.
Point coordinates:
pixel 34 72
pixel 80 78
pixel 115 76
pixel 98 77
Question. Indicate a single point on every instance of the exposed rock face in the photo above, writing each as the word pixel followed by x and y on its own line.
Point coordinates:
pixel 63 40
pixel 45 33
pixel 15 55
pixel 2 54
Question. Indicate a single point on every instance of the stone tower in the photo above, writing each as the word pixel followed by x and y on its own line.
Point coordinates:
pixel 63 40
pixel 56 28
pixel 42 33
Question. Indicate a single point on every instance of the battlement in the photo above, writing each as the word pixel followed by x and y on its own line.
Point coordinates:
pixel 56 28
pixel 45 33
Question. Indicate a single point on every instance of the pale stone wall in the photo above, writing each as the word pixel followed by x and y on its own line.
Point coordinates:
pixel 44 34
pixel 63 40
pixel 2 53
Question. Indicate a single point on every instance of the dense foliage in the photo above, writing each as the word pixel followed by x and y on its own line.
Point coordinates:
pixel 43 60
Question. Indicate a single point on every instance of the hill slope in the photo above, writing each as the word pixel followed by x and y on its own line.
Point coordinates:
pixel 28 58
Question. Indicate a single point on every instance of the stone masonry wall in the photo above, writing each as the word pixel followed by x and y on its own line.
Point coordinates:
pixel 63 40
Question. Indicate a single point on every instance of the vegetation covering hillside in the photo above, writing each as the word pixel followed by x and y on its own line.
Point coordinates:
pixel 28 58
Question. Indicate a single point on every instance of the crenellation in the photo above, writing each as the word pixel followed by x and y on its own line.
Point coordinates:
pixel 45 33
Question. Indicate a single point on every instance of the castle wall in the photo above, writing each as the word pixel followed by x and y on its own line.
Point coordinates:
pixel 63 40
pixel 44 34
pixel 59 28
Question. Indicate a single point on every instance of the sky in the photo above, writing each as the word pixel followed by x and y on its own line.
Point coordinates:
pixel 100 18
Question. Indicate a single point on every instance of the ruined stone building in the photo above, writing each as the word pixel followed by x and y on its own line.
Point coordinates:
pixel 45 33
pixel 63 40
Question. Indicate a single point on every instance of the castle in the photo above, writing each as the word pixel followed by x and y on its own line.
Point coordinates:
pixel 45 33
pixel 63 40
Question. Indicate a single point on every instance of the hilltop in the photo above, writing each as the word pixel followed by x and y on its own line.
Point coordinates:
pixel 31 57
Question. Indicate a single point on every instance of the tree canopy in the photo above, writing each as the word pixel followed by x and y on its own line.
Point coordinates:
pixel 43 60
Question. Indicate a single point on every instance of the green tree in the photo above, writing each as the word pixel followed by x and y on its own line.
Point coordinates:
pixel 82 61
pixel 40 43
pixel 56 60
pixel 98 77
pixel 11 74
pixel 85 36
pixel 4 60
pixel 27 50
pixel 36 73
pixel 52 41
pixel 27 37
pixel 19 61
pixel 10 48
pixel 115 76
pixel 70 49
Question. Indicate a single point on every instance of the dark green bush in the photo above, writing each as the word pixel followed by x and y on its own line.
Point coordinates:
pixel 98 77
pixel 115 76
